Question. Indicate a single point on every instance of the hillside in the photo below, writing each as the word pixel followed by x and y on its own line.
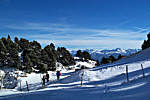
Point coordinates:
pixel 107 83
pixel 138 57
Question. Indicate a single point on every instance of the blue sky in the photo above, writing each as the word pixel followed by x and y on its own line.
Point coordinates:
pixel 77 24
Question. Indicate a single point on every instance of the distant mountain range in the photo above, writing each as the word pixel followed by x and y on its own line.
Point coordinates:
pixel 98 54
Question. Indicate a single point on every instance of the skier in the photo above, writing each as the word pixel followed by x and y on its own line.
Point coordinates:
pixel 47 77
pixel 58 75
pixel 43 81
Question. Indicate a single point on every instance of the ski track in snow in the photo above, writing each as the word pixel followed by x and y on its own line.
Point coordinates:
pixel 128 87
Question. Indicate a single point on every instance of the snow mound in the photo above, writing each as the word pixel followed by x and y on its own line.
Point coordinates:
pixel 89 64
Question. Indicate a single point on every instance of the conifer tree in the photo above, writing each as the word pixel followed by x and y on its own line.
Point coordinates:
pixel 16 40
pixel 8 38
pixel 112 58
pixel 146 43
pixel 97 63
pixel 104 60
pixel 119 57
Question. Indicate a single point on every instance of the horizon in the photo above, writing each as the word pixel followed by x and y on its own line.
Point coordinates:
pixel 97 24
pixel 75 49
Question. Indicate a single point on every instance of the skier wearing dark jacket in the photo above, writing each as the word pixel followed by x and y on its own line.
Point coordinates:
pixel 43 81
pixel 47 77
pixel 58 75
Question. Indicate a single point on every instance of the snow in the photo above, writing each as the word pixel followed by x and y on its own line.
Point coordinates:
pixel 99 54
pixel 107 82
pixel 128 87
pixel 89 64
pixel 2 73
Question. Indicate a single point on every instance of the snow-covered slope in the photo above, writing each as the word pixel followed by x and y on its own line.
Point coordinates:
pixel 135 58
pixel 107 82
pixel 98 54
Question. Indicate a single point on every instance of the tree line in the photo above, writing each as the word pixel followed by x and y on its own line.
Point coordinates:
pixel 33 56
pixel 110 59
pixel 84 56
pixel 146 43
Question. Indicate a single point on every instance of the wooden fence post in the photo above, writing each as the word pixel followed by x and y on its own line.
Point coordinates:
pixel 20 86
pixel 27 86
pixel 41 80
pixel 142 70
pixel 82 77
pixel 127 73
pixel 1 82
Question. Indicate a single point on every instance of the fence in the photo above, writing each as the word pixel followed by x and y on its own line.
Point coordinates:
pixel 126 70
